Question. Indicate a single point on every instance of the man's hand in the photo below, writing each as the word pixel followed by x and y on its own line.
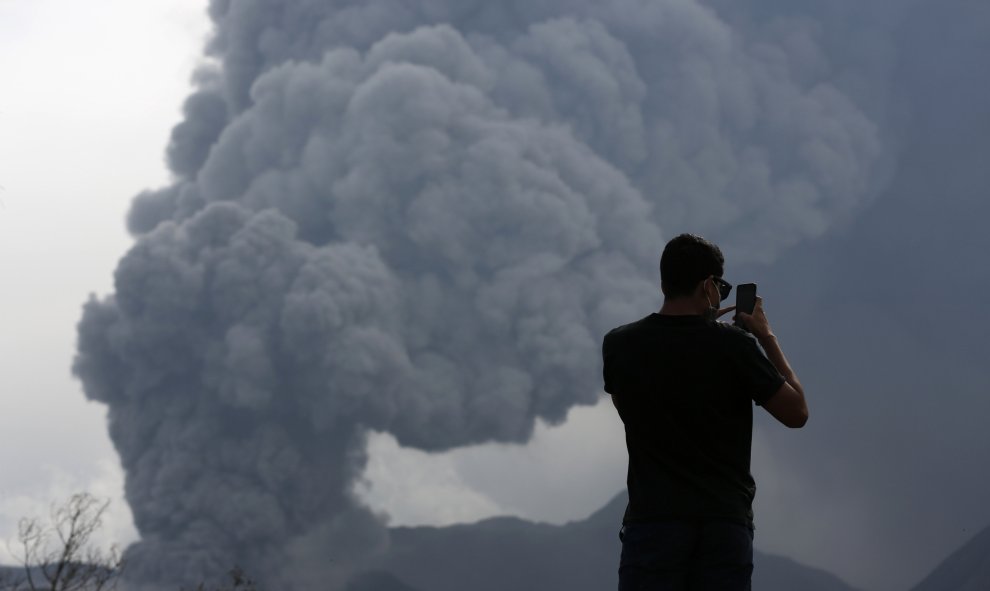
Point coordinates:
pixel 724 311
pixel 756 323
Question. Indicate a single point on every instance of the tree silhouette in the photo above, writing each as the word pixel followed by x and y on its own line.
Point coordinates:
pixel 58 554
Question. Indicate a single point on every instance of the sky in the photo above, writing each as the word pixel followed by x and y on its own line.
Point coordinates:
pixel 84 122
pixel 84 128
pixel 778 127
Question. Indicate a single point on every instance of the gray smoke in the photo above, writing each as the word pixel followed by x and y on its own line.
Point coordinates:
pixel 420 219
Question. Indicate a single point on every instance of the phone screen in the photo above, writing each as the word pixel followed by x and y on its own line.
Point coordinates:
pixel 746 297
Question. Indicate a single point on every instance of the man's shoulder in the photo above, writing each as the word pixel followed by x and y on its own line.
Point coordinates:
pixel 627 329
pixel 732 332
pixel 721 332
pixel 622 337
pixel 736 342
pixel 732 336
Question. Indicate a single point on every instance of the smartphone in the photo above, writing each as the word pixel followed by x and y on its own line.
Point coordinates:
pixel 746 297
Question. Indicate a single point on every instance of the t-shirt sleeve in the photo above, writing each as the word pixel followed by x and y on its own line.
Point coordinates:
pixel 759 378
pixel 606 365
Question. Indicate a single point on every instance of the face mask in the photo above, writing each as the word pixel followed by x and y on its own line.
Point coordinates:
pixel 712 312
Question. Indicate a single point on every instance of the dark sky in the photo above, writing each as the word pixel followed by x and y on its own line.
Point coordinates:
pixel 420 219
pixel 888 327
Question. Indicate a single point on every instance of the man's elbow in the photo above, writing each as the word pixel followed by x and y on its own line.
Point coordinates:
pixel 788 406
pixel 798 419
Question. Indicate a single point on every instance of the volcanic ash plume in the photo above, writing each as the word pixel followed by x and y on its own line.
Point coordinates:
pixel 421 222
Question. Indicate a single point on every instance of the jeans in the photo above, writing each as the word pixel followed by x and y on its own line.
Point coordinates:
pixel 686 556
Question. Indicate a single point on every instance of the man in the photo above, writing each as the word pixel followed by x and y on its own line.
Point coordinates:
pixel 684 385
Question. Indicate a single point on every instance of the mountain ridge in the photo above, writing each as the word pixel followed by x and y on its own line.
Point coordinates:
pixel 510 553
pixel 966 569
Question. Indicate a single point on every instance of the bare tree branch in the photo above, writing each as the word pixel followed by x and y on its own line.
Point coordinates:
pixel 59 555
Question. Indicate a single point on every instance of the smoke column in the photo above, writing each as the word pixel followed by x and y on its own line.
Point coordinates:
pixel 420 219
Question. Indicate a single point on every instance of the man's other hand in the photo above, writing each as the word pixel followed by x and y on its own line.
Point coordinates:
pixel 756 323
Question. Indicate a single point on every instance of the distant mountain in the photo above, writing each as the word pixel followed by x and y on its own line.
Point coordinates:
pixel 12 578
pixel 968 569
pixel 509 553
pixel 378 581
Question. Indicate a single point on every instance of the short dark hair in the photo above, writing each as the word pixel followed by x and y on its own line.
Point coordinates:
pixel 686 260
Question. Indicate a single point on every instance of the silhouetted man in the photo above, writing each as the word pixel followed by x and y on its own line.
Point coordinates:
pixel 684 385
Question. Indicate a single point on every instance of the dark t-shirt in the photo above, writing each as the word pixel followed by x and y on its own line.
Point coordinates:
pixel 684 387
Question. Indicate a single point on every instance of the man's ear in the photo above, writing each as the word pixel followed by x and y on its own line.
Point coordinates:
pixel 702 288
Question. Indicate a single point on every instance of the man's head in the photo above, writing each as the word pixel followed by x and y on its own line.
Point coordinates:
pixel 688 260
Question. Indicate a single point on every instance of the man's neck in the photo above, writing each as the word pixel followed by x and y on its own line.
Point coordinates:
pixel 681 307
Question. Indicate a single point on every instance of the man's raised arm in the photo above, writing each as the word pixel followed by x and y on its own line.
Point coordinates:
pixel 787 404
